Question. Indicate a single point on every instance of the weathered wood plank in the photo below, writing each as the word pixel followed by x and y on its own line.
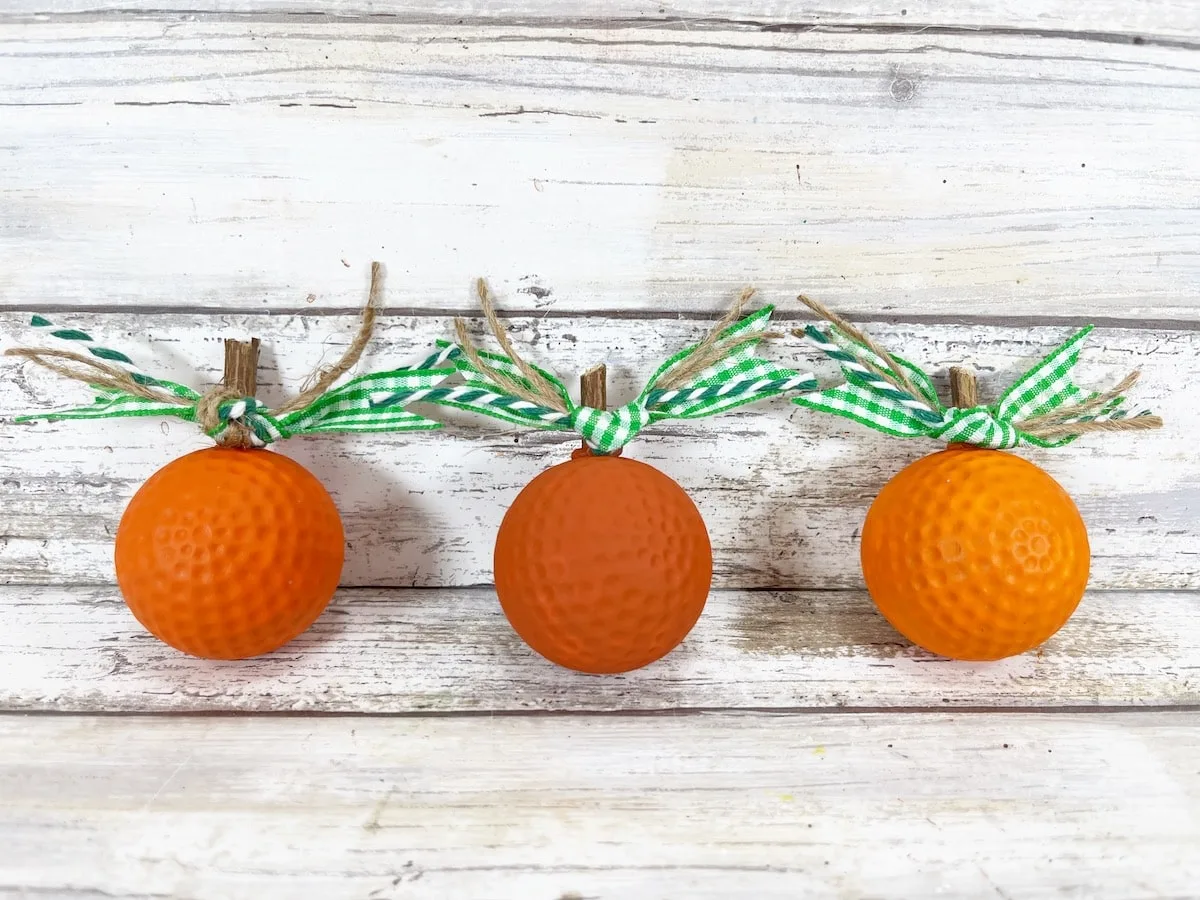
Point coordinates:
pixel 440 651
pixel 1107 18
pixel 632 808
pixel 204 162
pixel 783 491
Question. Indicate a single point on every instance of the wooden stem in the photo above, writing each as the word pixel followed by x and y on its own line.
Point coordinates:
pixel 964 389
pixel 593 389
pixel 241 376
pixel 241 366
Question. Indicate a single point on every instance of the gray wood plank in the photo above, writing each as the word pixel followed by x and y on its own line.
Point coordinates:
pixel 447 651
pixel 1097 20
pixel 203 161
pixel 633 808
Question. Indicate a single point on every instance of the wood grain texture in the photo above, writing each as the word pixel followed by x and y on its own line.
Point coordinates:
pixel 1098 20
pixel 446 651
pixel 634 808
pixel 784 491
pixel 173 172
pixel 210 161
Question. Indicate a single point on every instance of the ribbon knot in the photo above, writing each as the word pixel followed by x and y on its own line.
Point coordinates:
pixel 225 414
pixel 887 393
pixel 736 377
pixel 234 410
pixel 606 430
pixel 236 421
pixel 976 425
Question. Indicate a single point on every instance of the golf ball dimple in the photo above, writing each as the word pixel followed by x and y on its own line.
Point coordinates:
pixel 975 554
pixel 228 553
pixel 603 564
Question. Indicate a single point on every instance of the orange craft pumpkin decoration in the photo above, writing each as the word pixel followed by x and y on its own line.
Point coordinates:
pixel 602 563
pixel 232 551
pixel 612 589
pixel 971 552
pixel 228 553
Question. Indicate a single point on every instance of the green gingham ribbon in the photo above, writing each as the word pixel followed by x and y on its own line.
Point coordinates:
pixel 346 408
pixel 869 400
pixel 736 379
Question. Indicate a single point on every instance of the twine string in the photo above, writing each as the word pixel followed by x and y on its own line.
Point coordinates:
pixel 95 373
pixel 895 374
pixel 710 350
pixel 713 348
pixel 208 417
pixel 716 375
pixel 207 406
pixel 538 390
pixel 1046 412
pixel 322 378
pixel 1058 422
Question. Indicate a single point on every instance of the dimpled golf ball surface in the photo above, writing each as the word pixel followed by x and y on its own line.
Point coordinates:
pixel 603 564
pixel 229 553
pixel 975 554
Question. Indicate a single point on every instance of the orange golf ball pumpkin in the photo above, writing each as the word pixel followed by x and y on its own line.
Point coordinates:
pixel 603 564
pixel 232 551
pixel 975 554
pixel 229 553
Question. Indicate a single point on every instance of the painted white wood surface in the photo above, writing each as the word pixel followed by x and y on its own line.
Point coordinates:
pixel 1098 20
pixel 982 177
pixel 699 807
pixel 784 491
pixel 238 162
pixel 451 650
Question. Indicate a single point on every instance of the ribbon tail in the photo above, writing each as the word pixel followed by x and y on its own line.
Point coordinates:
pixel 742 354
pixel 502 364
pixel 923 383
pixel 369 403
pixel 486 401
pixel 1047 384
pixel 867 408
pixel 115 405
pixel 860 376
pixel 1046 443
pixel 710 400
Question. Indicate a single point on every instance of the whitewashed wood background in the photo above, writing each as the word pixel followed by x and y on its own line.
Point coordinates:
pixel 969 183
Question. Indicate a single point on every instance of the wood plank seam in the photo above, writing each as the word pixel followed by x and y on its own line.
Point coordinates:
pixel 689 24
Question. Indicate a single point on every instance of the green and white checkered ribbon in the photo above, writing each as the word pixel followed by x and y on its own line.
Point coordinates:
pixel 870 400
pixel 348 407
pixel 738 378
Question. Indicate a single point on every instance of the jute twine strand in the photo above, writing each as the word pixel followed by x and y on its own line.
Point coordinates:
pixel 539 390
pixel 895 375
pixel 1058 423
pixel 322 379
pixel 709 351
pixel 712 349
pixel 94 372
pixel 1054 424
